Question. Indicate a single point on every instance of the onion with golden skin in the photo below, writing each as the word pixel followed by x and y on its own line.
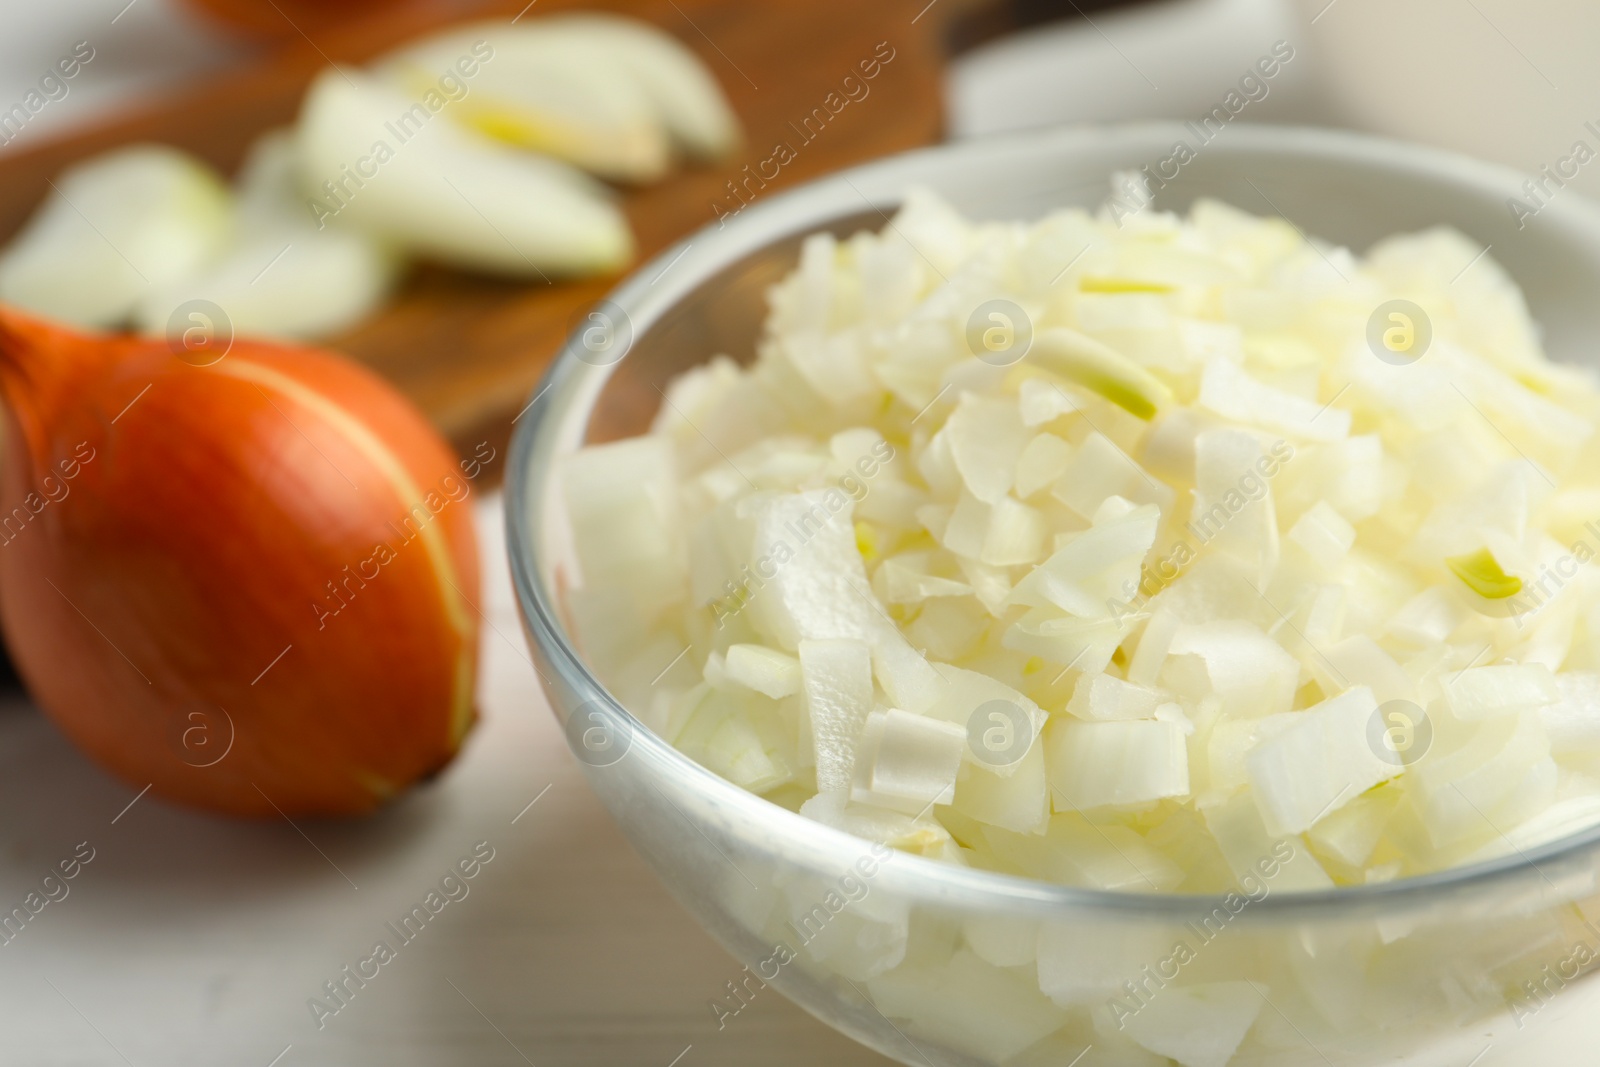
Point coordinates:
pixel 256 590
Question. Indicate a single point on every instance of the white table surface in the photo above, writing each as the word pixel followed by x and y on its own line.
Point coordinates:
pixel 195 940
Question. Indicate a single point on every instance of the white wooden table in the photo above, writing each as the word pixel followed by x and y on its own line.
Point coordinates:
pixel 194 940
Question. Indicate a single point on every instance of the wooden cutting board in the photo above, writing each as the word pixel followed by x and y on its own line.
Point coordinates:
pixel 469 349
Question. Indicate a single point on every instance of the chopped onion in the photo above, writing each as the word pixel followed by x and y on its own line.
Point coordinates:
pixel 1196 588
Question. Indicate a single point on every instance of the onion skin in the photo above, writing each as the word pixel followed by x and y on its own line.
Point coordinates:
pixel 157 595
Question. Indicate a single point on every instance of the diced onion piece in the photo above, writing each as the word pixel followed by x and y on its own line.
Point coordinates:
pixel 1100 369
pixel 1074 851
pixel 1041 400
pixel 1234 508
pixel 1114 764
pixel 730 739
pixel 807 542
pixel 1197 1025
pixel 1232 739
pixel 963 1003
pixel 1086 963
pixel 737 751
pixel 1320 763
pixel 1085 644
pixel 986 439
pixel 1249 670
pixel 921 835
pixel 907 678
pixel 1254 854
pixel 1325 535
pixel 1485 692
pixel 1096 569
pixel 1103 697
pixel 1350 834
pixel 1042 462
pixel 1001 940
pixel 1006 533
pixel 904 579
pixel 1359 660
pixel 623 506
pixel 1098 470
pixel 1573 721
pixel 1230 392
pixel 1561 819
pixel 836 677
pixel 1480 572
pixel 1014 796
pixel 913 763
pixel 1460 793
pixel 1428 618
pixel 965 695
pixel 1154 644
pixel 766 670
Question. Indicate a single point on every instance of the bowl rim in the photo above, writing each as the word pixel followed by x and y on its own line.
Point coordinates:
pixel 815 204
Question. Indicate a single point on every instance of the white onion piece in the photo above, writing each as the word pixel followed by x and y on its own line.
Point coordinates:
pixel 1086 575
pixel 1097 470
pixel 626 520
pixel 1198 1025
pixel 1001 940
pixel 448 192
pixel 279 275
pixel 1229 392
pixel 1320 763
pixel 1460 793
pixel 986 439
pixel 1101 697
pixel 837 679
pixel 765 670
pixel 113 230
pixel 968 1005
pixel 1041 401
pixel 537 91
pixel 1573 722
pixel 1246 668
pixel 1113 764
pixel 1325 535
pixel 1484 692
pixel 912 763
pixel 686 98
pixel 1015 796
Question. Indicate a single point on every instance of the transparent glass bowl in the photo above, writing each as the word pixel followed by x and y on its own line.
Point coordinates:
pixel 938 965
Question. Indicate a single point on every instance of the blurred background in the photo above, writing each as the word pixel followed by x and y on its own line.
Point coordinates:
pixel 1510 82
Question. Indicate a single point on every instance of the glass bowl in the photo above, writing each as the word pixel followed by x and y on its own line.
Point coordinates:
pixel 940 965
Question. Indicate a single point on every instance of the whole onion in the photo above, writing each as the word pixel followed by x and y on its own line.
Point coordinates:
pixel 244 578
